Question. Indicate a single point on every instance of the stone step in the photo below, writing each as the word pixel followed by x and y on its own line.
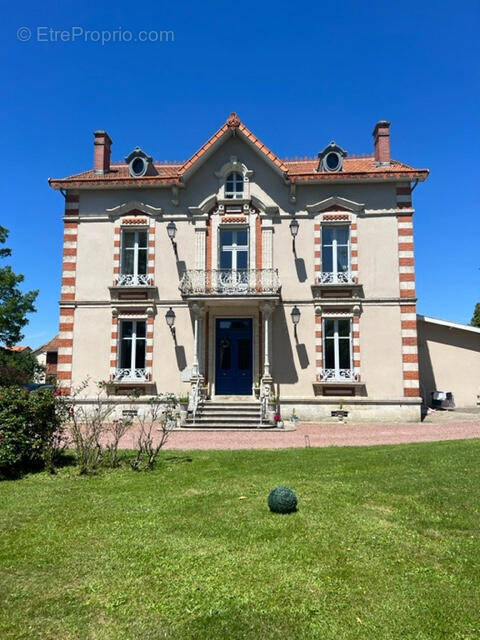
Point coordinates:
pixel 214 425
pixel 224 419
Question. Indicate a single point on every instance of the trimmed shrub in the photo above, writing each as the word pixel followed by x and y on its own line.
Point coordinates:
pixel 282 500
pixel 30 430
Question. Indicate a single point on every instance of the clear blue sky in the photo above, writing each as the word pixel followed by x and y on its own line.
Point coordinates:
pixel 299 75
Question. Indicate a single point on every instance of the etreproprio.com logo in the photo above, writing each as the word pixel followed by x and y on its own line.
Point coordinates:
pixel 98 36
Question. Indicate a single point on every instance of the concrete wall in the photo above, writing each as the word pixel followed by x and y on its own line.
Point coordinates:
pixel 449 361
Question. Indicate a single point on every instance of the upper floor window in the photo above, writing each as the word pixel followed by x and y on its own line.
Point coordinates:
pixel 234 185
pixel 336 253
pixel 234 249
pixel 131 361
pixel 133 268
pixel 337 349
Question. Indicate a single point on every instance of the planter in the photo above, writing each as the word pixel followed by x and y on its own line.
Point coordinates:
pixel 294 422
pixel 183 416
pixel 256 391
pixel 279 424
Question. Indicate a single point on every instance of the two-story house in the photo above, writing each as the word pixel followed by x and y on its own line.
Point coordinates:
pixel 244 275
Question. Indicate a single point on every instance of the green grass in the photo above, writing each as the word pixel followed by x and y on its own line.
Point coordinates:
pixel 385 545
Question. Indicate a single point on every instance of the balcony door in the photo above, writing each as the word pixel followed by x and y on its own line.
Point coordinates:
pixel 234 356
pixel 233 260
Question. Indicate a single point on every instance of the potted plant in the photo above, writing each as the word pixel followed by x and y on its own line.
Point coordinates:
pixel 278 420
pixel 294 418
pixel 183 402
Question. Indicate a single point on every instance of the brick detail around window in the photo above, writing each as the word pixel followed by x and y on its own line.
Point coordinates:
pixel 149 347
pixel 114 339
pixel 318 346
pixel 329 218
pixel 151 248
pixel 356 344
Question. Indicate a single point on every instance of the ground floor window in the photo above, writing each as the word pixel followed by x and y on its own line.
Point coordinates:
pixel 338 347
pixel 132 348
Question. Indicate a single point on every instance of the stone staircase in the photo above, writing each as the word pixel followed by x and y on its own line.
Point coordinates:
pixel 227 414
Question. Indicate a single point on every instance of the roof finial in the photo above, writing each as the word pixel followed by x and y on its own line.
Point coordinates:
pixel 233 121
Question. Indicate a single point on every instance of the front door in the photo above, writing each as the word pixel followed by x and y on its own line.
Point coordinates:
pixel 234 374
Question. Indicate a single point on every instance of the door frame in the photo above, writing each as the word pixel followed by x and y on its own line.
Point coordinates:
pixel 229 312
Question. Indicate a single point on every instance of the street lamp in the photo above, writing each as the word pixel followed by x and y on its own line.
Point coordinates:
pixel 294 226
pixel 172 230
pixel 170 319
pixel 295 319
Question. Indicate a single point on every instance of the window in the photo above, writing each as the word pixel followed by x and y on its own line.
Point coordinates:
pixel 337 349
pixel 134 258
pixel 132 350
pixel 234 249
pixel 234 185
pixel 336 252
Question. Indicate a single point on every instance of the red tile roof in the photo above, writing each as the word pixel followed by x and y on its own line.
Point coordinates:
pixel 354 168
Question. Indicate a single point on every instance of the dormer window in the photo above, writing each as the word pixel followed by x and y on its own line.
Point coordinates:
pixel 234 185
pixel 139 163
pixel 331 158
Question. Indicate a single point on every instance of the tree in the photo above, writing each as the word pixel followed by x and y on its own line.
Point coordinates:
pixel 475 321
pixel 14 305
pixel 18 367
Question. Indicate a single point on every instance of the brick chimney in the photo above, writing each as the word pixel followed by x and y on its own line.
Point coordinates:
pixel 381 139
pixel 101 152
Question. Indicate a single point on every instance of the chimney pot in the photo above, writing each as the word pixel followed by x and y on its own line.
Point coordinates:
pixel 381 140
pixel 101 152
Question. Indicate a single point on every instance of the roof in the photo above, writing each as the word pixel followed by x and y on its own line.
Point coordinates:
pixel 52 345
pixel 355 169
pixel 446 323
pixel 18 348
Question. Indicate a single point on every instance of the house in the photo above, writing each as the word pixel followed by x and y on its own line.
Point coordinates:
pixel 241 276
pixel 47 357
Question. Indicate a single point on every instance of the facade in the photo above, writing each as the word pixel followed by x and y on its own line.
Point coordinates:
pixel 239 274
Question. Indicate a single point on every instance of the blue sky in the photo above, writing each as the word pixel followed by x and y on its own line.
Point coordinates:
pixel 299 75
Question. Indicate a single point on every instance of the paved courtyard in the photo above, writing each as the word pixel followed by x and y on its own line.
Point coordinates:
pixel 437 426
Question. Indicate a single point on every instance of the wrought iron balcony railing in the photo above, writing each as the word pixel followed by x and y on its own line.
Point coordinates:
pixel 230 282
pixel 342 277
pixel 338 375
pixel 130 375
pixel 131 280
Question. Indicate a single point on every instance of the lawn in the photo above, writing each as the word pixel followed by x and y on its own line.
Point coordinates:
pixel 385 545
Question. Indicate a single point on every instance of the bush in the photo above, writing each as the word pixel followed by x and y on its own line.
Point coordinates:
pixel 30 430
pixel 282 500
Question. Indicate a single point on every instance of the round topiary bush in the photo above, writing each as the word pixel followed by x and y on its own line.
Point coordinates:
pixel 282 500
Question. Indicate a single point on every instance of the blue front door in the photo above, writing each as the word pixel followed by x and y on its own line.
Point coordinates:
pixel 234 374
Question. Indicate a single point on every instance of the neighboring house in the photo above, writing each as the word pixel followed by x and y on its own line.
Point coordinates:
pixel 47 356
pixel 19 349
pixel 238 266
pixel 449 355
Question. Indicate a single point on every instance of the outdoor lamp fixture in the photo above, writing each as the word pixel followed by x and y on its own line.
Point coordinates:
pixel 294 230
pixel 170 318
pixel 172 230
pixel 295 319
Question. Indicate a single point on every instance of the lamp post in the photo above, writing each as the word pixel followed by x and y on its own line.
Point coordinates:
pixel 295 314
pixel 172 230
pixel 170 319
pixel 294 226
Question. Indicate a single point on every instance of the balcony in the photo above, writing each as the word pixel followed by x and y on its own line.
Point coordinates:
pixel 338 375
pixel 131 280
pixel 226 282
pixel 342 277
pixel 133 287
pixel 342 285
pixel 338 382
pixel 130 375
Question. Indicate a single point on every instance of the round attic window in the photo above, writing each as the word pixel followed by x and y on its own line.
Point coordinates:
pixel 332 161
pixel 138 167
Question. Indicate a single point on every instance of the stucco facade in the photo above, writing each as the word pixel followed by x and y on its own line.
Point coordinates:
pixel 234 272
